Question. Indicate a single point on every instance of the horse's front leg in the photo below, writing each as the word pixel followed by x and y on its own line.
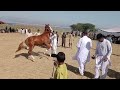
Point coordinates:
pixel 48 48
pixel 31 57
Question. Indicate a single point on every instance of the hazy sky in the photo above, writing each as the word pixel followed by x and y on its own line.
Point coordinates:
pixel 99 18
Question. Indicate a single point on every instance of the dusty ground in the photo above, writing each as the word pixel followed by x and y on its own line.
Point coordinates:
pixel 20 67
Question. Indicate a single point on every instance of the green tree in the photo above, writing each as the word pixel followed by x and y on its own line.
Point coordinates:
pixel 73 27
pixel 83 27
pixel 79 26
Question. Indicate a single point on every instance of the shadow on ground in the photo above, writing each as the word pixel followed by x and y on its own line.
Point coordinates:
pixel 113 74
pixel 76 71
pixel 26 54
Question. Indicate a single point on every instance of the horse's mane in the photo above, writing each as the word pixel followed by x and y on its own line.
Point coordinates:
pixel 47 33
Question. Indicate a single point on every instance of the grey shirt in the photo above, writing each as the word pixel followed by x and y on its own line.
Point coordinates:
pixel 104 48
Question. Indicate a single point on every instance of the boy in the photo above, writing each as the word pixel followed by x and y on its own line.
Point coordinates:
pixel 61 69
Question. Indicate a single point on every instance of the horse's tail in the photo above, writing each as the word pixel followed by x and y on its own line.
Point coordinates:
pixel 21 46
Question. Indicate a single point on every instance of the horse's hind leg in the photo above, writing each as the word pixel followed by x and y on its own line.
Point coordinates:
pixel 30 53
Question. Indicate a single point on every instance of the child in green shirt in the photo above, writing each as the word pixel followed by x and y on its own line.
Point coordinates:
pixel 61 68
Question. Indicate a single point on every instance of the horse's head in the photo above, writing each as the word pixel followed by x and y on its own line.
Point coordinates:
pixel 48 28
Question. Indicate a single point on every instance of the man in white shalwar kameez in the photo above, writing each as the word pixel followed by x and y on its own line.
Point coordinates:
pixel 26 30
pixel 37 33
pixel 19 30
pixel 83 53
pixel 29 33
pixel 54 43
pixel 23 31
pixel 102 56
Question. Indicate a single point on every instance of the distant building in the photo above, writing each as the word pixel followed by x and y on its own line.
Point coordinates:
pixel 1 22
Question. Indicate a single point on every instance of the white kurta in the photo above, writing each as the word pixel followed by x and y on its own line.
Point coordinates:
pixel 103 53
pixel 54 43
pixel 37 33
pixel 19 30
pixel 23 31
pixel 83 53
pixel 104 49
pixel 29 35
pixel 26 30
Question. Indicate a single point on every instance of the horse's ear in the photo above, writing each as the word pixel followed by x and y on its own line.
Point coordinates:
pixel 48 25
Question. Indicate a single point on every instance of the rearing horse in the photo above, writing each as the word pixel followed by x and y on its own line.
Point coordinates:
pixel 40 40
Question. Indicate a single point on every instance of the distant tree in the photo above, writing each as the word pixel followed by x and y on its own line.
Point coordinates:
pixel 79 26
pixel 83 27
pixel 73 27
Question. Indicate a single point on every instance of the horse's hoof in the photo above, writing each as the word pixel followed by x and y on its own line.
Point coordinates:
pixel 40 57
pixel 32 60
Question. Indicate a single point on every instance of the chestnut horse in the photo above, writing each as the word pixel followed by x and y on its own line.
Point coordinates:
pixel 40 40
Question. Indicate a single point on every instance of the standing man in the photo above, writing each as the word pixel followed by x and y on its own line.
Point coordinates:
pixel 102 55
pixel 23 31
pixel 57 37
pixel 37 33
pixel 29 33
pixel 109 38
pixel 63 40
pixel 83 53
pixel 54 43
pixel 70 39
pixel 26 31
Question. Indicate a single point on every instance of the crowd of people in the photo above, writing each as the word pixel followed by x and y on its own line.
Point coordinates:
pixel 113 39
pixel 8 30
pixel 102 55
pixel 28 32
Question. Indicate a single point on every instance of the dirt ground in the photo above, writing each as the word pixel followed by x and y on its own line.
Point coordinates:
pixel 17 66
